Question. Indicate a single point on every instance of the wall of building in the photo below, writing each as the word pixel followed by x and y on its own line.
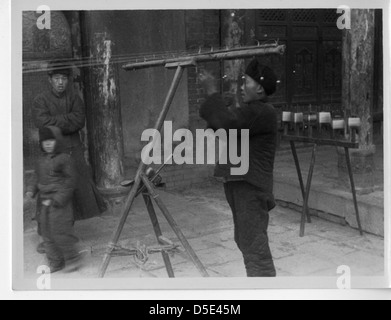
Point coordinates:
pixel 142 92
pixel 138 34
pixel 39 46
pixel 202 31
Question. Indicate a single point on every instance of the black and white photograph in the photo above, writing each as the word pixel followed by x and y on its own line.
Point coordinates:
pixel 200 148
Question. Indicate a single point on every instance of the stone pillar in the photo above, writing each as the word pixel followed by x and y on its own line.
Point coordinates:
pixel 104 121
pixel 358 52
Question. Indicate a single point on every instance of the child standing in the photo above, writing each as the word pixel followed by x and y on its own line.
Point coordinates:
pixel 54 183
pixel 250 196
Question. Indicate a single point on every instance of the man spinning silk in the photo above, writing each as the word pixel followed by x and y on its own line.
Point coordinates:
pixel 61 107
pixel 250 196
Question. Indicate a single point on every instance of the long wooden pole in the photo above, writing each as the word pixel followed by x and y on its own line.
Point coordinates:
pixel 211 56
pixel 349 164
pixel 301 181
pixel 307 192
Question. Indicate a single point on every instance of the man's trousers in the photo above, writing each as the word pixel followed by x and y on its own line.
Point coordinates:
pixel 250 207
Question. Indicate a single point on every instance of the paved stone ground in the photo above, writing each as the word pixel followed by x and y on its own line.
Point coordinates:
pixel 205 219
pixel 326 168
pixel 331 195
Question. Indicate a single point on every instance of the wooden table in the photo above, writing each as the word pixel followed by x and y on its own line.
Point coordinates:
pixel 306 190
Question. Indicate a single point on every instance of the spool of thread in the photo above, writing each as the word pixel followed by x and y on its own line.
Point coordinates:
pixel 354 122
pixel 286 116
pixel 298 117
pixel 338 124
pixel 312 118
pixel 324 117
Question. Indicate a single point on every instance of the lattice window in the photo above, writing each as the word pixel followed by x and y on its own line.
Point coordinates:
pixel 330 16
pixel 272 15
pixel 332 65
pixel 272 32
pixel 304 69
pixel 304 15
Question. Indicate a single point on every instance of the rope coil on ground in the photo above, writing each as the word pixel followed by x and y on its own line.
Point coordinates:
pixel 141 253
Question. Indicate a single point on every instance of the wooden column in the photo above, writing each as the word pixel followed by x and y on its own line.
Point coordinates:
pixel 103 103
pixel 358 56
pixel 378 104
pixel 358 65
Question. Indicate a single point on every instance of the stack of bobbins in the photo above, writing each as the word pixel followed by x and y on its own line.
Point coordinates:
pixel 338 126
pixel 286 120
pixel 311 119
pixel 298 120
pixel 354 127
pixel 324 120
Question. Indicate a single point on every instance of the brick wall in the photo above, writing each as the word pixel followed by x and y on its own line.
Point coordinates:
pixel 181 176
pixel 202 30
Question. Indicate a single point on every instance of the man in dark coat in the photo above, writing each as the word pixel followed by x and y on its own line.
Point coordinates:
pixel 250 196
pixel 54 183
pixel 60 106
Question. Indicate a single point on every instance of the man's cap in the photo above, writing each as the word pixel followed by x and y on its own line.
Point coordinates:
pixel 59 67
pixel 46 134
pixel 263 75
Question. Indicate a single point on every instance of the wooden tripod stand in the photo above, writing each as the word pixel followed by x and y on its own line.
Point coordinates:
pixel 150 196
pixel 346 145
pixel 142 182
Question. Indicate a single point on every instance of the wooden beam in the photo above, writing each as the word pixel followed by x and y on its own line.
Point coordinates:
pixel 241 53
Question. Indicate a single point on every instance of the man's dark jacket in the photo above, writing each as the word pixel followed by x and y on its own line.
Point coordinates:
pixel 65 111
pixel 261 120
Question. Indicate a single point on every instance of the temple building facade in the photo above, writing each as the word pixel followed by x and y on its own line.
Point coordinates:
pixel 324 69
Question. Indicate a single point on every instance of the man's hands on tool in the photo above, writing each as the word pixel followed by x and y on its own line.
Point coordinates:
pixel 208 82
pixel 30 195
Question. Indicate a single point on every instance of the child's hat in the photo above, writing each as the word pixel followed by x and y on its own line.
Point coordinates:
pixel 46 134
pixel 263 75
